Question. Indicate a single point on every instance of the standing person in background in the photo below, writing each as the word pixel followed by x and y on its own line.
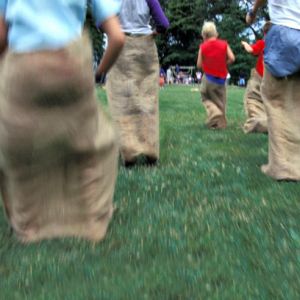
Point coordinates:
pixel 253 104
pixel 280 87
pixel 213 57
pixel 198 77
pixel 169 76
pixel 242 81
pixel 132 87
pixel 162 77
pixel 58 151
pixel 228 77
pixel 177 71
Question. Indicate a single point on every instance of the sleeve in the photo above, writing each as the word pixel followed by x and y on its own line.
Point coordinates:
pixel 103 9
pixel 3 7
pixel 258 47
pixel 160 19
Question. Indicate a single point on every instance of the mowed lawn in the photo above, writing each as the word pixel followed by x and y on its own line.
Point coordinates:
pixel 204 224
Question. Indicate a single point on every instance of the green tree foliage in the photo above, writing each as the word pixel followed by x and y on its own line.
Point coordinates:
pixel 181 43
pixel 183 37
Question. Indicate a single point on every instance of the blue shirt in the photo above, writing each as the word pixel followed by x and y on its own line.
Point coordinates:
pixel 50 24
pixel 282 51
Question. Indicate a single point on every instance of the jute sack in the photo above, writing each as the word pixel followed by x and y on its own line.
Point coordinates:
pixel 282 102
pixel 214 100
pixel 254 108
pixel 132 89
pixel 58 152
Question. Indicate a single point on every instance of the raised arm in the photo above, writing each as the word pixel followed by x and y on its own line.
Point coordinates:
pixel 251 16
pixel 247 47
pixel 160 19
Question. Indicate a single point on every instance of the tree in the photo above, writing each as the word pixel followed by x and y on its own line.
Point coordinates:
pixel 186 17
pixel 182 39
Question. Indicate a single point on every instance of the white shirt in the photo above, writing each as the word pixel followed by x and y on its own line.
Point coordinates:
pixel 285 13
pixel 135 17
pixel 169 73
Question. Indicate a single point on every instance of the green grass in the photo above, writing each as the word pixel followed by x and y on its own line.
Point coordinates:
pixel 204 224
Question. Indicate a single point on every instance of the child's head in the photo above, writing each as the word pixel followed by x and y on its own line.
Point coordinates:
pixel 209 30
pixel 266 27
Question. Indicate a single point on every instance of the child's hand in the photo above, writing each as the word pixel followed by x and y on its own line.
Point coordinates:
pixel 247 47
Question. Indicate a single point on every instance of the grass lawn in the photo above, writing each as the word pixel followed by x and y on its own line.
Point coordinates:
pixel 204 224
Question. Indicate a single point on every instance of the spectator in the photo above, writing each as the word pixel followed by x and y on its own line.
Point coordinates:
pixel 177 69
pixel 242 81
pixel 198 77
pixel 161 80
pixel 162 72
pixel 169 76
pixel 228 78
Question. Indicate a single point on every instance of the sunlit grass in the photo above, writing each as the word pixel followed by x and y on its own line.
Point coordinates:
pixel 204 224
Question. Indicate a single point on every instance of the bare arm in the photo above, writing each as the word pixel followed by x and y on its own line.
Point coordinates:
pixel 199 60
pixel 247 47
pixel 250 18
pixel 116 41
pixel 3 35
pixel 230 56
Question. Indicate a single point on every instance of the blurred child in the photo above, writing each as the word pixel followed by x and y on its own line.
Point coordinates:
pixel 254 107
pixel 58 151
pixel 280 88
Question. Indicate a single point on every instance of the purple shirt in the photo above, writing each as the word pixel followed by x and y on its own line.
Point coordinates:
pixel 160 19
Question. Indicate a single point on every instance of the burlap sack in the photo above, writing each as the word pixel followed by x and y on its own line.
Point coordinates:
pixel 132 89
pixel 214 100
pixel 58 152
pixel 282 102
pixel 254 108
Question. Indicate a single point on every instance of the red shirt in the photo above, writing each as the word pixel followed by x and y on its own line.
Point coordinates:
pixel 214 57
pixel 258 50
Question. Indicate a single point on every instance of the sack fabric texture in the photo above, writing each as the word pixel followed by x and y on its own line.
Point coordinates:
pixel 132 89
pixel 282 102
pixel 58 150
pixel 254 107
pixel 214 100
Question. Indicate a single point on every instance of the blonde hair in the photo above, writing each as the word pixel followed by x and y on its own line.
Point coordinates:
pixel 209 30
